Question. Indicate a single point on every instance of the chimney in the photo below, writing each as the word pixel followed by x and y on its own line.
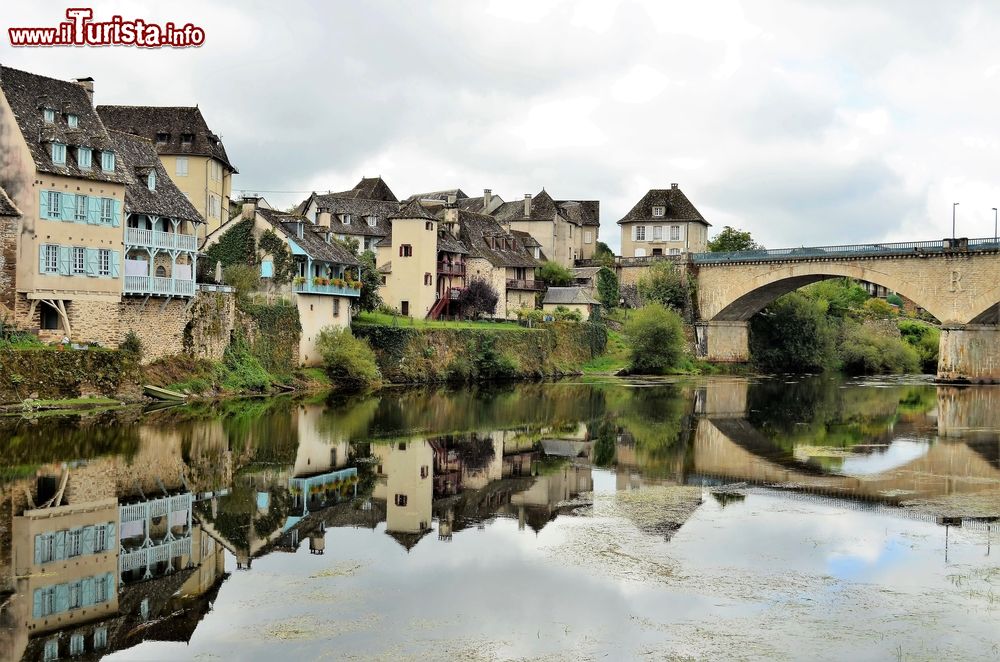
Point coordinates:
pixel 323 217
pixel 673 185
pixel 527 205
pixel 487 200
pixel 452 199
pixel 451 219
pixel 88 85
pixel 250 206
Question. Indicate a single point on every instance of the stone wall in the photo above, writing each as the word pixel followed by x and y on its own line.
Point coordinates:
pixel 55 373
pixel 969 354
pixel 8 264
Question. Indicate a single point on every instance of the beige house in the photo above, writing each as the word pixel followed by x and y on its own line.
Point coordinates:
pixel 325 283
pixel 566 230
pixel 361 213
pixel 404 480
pixel 572 298
pixel 192 154
pixel 663 222
pixel 61 171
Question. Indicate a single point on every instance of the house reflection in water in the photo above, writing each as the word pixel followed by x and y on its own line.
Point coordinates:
pixel 404 484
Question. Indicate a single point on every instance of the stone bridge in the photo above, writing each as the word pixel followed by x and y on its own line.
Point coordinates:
pixel 958 282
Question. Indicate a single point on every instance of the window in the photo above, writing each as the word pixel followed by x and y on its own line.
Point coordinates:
pixel 49 116
pixel 162 138
pixel 108 161
pixel 215 171
pixel 46 601
pixel 100 638
pixel 675 251
pixel 80 213
pixel 658 212
pixel 181 166
pixel 72 120
pixel 151 180
pixel 424 471
pixel 100 539
pixel 401 446
pixel 336 307
pixel 214 206
pixel 406 250
pixel 76 645
pixel 400 500
pixel 588 237
pixel 404 308
pixel 107 210
pixel 657 232
pixel 75 595
pixel 570 231
pixel 427 279
pixel 675 233
pixel 59 153
pixel 372 221
pixel 84 157
pixel 639 233
pixel 50 255
pixel 640 252
pixel 187 139
pixel 345 219
pixel 100 589
pixel 104 262
pixel 74 542
pixel 79 266
pixel 54 206
pixel 429 225
pixel 267 269
pixel 51 650
pixel 45 547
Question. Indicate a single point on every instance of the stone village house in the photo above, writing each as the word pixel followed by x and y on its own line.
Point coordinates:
pixel 566 230
pixel 361 213
pixel 663 222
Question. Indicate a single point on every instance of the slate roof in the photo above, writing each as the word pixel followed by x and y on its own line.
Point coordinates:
pixel 526 239
pixel 449 243
pixel 544 208
pixel 439 195
pixel 148 121
pixel 28 94
pixel 413 209
pixel 476 231
pixel 568 295
pixel 369 188
pixel 310 241
pixel 7 206
pixel 677 207
pixel 138 157
pixel 358 208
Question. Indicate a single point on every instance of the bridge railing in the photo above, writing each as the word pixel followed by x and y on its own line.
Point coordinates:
pixel 850 250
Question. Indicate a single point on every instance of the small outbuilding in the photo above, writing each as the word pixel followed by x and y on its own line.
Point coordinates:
pixel 573 298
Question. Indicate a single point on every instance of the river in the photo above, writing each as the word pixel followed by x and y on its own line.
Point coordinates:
pixel 704 518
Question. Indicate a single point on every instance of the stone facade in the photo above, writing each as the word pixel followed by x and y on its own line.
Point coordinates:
pixel 8 264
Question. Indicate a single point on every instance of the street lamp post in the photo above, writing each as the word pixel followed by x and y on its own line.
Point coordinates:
pixel 953 205
pixel 994 225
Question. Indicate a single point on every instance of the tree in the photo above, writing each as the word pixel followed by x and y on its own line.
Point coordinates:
pixel 732 239
pixel 604 254
pixel 607 288
pixel 867 351
pixel 350 243
pixel 656 337
pixel 793 334
pixel 479 298
pixel 664 284
pixel 555 275
pixel 371 280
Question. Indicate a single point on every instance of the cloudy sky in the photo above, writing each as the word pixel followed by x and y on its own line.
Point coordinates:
pixel 805 122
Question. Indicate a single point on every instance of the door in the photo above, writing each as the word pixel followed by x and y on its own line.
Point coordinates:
pixel 404 306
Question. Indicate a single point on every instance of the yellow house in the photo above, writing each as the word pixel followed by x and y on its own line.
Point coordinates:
pixel 663 222
pixel 566 230
pixel 61 171
pixel 405 482
pixel 192 154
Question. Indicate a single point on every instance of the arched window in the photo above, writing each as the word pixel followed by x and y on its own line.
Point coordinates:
pixel 161 271
pixel 427 279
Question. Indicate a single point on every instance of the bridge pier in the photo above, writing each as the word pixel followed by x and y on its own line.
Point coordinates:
pixel 969 353
pixel 723 342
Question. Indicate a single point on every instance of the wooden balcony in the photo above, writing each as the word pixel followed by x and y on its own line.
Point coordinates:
pixel 171 241
pixel 529 285
pixel 160 287
pixel 453 269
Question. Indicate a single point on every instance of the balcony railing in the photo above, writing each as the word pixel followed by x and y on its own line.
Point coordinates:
pixel 158 239
pixel 156 553
pixel 152 285
pixel 310 287
pixel 134 512
pixel 532 285
pixel 453 269
pixel 851 250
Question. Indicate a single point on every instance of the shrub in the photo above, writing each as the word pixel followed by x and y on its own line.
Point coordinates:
pixel 530 315
pixel 878 308
pixel 841 295
pixel 131 345
pixel 242 277
pixel 347 359
pixel 865 351
pixel 370 282
pixel 604 254
pixel 555 275
pixel 656 337
pixel 895 300
pixel 925 339
pixel 241 371
pixel 793 334
pixel 479 298
pixel 607 288
pixel 664 284
pixel 564 314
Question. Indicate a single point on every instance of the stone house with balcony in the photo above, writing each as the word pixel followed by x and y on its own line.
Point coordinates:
pixel 566 230
pixel 361 213
pixel 161 225
pixel 191 153
pixel 663 222
pixel 61 171
pixel 325 283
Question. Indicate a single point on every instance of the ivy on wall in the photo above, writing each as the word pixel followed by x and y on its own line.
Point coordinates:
pixel 284 263
pixel 236 246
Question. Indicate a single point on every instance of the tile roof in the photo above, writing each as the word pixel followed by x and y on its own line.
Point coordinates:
pixel 568 295
pixel 7 206
pixel 148 121
pixel 526 239
pixel 439 195
pixel 676 204
pixel 138 157
pixel 28 94
pixel 476 232
pixel 310 241
pixel 413 209
pixel 369 188
pixel 449 243
pixel 358 208
pixel 544 208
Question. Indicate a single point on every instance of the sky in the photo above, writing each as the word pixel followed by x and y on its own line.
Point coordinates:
pixel 805 122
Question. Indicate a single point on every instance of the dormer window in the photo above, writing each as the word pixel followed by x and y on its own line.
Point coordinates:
pixel 108 161
pixel 372 221
pixel 59 153
pixel 151 180
pixel 49 116
pixel 658 212
pixel 429 225
pixel 300 230
pixel 162 138
pixel 187 138
pixel 346 219
pixel 84 158
pixel 72 121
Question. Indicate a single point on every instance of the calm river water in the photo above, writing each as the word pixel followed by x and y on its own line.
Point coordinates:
pixel 717 518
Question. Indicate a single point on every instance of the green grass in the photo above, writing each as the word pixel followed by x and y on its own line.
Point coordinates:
pixel 388 320
pixel 615 357
pixel 194 385
pixel 75 402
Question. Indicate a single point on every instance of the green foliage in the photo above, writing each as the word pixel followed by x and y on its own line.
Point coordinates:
pixel 793 334
pixel 925 339
pixel 664 284
pixel 656 336
pixel 241 371
pixel 864 350
pixel 235 246
pixel 895 300
pixel 347 359
pixel 13 338
pixel 841 295
pixel 555 274
pixel 283 260
pixel 607 288
pixel 370 282
pixel 350 243
pixel 478 298
pixel 532 316
pixel 242 277
pixel 564 314
pixel 878 309
pixel 604 254
pixel 732 239
pixel 131 346
pixel 276 342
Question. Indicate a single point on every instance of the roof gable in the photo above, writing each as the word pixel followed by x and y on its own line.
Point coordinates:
pixel 676 206
pixel 138 157
pixel 478 231
pixel 310 242
pixel 413 209
pixel 7 206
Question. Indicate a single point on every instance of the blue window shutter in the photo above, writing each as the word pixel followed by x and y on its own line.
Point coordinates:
pixel 36 608
pixel 109 583
pixel 87 540
pixel 116 219
pixel 111 540
pixel 93 210
pixel 43 204
pixel 60 545
pixel 267 269
pixel 91 257
pixel 41 258
pixel 64 260
pixel 67 206
pixel 114 264
pixel 62 598
pixel 87 592
pixel 38 548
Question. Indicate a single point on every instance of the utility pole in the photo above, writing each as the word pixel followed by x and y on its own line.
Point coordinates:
pixel 953 205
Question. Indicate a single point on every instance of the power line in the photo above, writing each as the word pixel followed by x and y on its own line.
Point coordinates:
pixel 257 190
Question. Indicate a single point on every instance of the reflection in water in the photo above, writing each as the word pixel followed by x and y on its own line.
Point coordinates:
pixel 119 524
